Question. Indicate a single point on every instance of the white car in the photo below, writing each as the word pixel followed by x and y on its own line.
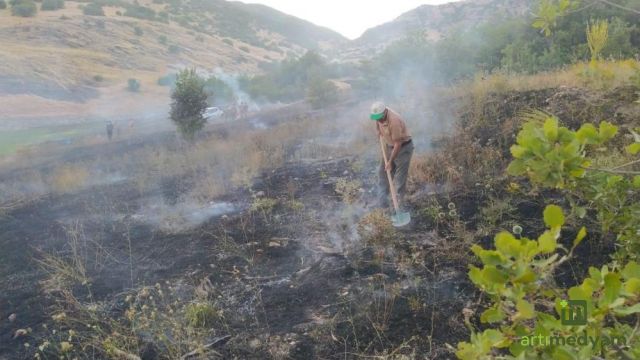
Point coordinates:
pixel 213 113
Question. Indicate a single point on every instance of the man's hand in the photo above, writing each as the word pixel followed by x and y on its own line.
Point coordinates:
pixel 396 149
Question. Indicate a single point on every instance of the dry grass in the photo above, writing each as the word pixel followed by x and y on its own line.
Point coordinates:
pixel 619 73
pixel 349 190
pixel 69 178
pixel 460 161
pixel 67 269
pixel 376 228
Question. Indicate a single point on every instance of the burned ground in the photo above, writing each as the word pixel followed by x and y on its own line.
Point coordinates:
pixel 278 273
pixel 282 260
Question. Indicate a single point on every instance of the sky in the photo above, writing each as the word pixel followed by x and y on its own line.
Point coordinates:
pixel 348 17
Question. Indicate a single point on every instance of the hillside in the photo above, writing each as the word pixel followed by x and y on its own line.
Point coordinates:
pixel 79 65
pixel 435 22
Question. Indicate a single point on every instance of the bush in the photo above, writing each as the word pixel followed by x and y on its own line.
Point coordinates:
pixel 201 314
pixel 174 49
pixel 93 9
pixel 140 12
pixel 227 41
pixel 321 93
pixel 98 78
pixel 162 39
pixel 518 274
pixel 291 79
pixel 189 101
pixel 223 93
pixel 375 228
pixel 245 49
pixel 3 4
pixel 138 31
pixel 167 80
pixel 133 85
pixel 51 5
pixel 24 8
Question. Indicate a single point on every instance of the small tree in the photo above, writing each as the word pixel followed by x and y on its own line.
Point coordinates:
pixel 597 36
pixel 174 49
pixel 93 9
pixel 24 8
pixel 321 92
pixel 133 85
pixel 3 4
pixel 51 5
pixel 189 101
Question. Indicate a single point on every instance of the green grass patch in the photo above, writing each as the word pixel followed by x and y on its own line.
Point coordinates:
pixel 13 140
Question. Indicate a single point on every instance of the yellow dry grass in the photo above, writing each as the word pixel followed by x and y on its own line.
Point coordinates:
pixel 69 178
pixel 572 76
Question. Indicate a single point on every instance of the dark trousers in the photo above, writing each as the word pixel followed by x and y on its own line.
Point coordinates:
pixel 399 173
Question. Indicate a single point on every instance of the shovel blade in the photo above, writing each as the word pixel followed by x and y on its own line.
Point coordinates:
pixel 400 219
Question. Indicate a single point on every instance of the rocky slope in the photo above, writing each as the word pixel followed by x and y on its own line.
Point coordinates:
pixel 64 63
pixel 435 22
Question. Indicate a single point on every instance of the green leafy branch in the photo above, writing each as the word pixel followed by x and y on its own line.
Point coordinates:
pixel 518 275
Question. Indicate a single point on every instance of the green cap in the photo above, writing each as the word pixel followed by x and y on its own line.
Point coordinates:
pixel 377 110
pixel 377 117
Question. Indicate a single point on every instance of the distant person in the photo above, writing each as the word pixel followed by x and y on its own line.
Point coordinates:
pixel 399 148
pixel 110 129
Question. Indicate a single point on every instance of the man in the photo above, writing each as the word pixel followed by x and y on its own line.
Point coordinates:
pixel 399 148
pixel 109 129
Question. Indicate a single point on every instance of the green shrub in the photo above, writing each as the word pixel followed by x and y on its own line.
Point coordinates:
pixel 167 80
pixel 518 275
pixel 162 39
pixel 227 41
pixel 264 206
pixel 3 4
pixel 223 93
pixel 140 12
pixel 321 93
pixel 133 85
pixel 98 78
pixel 201 314
pixel 244 48
pixel 93 9
pixel 138 31
pixel 24 8
pixel 189 101
pixel 51 5
pixel 174 49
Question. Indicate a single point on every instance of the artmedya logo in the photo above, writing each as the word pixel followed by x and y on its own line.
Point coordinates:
pixel 573 312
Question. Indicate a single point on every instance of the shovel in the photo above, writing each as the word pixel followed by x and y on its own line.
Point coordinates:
pixel 400 218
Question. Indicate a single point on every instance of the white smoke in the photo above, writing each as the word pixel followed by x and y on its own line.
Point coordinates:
pixel 232 81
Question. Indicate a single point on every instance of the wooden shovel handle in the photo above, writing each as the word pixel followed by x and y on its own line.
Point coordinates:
pixel 394 196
